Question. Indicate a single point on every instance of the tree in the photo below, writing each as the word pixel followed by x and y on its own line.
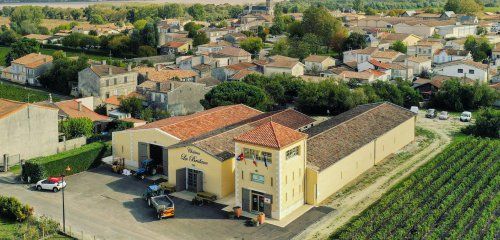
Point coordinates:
pixel 8 36
pixel 388 92
pixel 355 41
pixel 411 97
pixel 76 127
pixel 200 38
pixel 236 92
pixel 463 6
pixel 21 48
pixel 76 13
pixel 358 5
pixel 27 13
pixel 281 47
pixel 252 45
pixel 140 24
pixel 172 11
pixel 487 123
pixel 63 74
pixel 457 96
pixel 132 105
pixel 399 46
pixel 479 47
pixel 146 114
pixel 192 28
pixel 197 11
pixel 319 21
pixel 325 97
pixel 146 51
pixel 149 35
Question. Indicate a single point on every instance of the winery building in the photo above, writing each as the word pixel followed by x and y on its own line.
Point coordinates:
pixel 271 162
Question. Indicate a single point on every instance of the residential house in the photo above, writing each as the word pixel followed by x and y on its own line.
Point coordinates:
pixel 27 69
pixel 215 34
pixel 395 70
pixel 28 130
pixel 103 81
pixel 284 65
pixel 358 55
pixel 212 47
pixel 456 30
pixel 235 38
pixel 419 64
pixel 41 38
pixel 387 56
pixel 422 28
pixel 157 74
pixel 233 55
pixel 364 77
pixel 317 63
pixel 427 87
pixel 465 69
pixel 425 48
pixel 495 55
pixel 468 19
pixel 457 44
pixel 166 27
pixel 447 15
pixel 176 47
pixel 234 72
pixel 77 108
pixel 387 39
pixel 449 55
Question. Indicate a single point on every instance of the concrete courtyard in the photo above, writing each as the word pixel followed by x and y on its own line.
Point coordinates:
pixel 109 206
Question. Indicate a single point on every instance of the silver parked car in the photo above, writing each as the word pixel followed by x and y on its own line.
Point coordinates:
pixel 443 115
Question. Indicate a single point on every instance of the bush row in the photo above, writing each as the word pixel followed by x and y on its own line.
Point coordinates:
pixel 80 159
pixel 13 209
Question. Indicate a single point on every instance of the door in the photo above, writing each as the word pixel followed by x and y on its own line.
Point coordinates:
pixel 199 181
pixel 192 180
pixel 180 175
pixel 245 199
pixel 257 202
pixel 143 151
pixel 165 162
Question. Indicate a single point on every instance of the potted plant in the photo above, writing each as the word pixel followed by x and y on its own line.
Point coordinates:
pixel 237 211
pixel 261 217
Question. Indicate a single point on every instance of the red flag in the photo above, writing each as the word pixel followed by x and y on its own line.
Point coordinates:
pixel 240 157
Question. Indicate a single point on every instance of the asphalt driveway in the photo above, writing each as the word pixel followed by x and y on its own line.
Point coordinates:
pixel 109 206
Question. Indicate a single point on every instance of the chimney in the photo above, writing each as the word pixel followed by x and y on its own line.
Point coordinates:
pixel 79 106
pixel 103 62
pixel 129 67
pixel 158 86
pixel 110 71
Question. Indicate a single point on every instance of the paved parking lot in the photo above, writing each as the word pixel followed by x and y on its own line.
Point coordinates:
pixel 109 206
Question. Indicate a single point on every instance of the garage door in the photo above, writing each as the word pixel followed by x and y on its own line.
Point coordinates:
pixel 143 151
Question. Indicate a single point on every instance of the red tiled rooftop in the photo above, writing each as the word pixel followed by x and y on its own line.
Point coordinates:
pixel 70 107
pixel 271 134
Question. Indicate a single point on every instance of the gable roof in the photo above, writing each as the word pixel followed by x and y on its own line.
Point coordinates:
pixel 186 127
pixel 453 52
pixel 338 137
pixel 389 54
pixel 465 62
pixel 379 64
pixel 104 70
pixel 271 134
pixel 70 108
pixel 316 58
pixel 164 75
pixel 233 52
pixel 33 60
pixel 8 107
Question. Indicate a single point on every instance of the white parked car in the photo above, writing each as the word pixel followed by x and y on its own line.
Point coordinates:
pixel 414 109
pixel 51 184
pixel 465 117
pixel 443 115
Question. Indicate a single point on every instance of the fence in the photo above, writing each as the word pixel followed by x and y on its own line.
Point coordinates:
pixel 7 161
pixel 71 144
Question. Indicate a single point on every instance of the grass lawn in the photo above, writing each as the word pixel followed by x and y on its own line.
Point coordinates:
pixel 5 50
pixel 8 229
pixel 492 9
pixel 21 94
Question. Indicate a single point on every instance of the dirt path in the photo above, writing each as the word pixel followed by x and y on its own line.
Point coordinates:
pixel 355 202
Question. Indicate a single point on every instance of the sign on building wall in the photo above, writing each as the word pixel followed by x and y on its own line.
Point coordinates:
pixel 257 178
pixel 193 156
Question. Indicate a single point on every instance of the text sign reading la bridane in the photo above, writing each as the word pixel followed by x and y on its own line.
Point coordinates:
pixel 193 156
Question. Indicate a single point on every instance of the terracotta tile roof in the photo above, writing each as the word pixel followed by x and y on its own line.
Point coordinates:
pixel 453 52
pixel 396 66
pixel 186 127
pixel 316 58
pixel 220 143
pixel 38 36
pixel 495 86
pixel 438 80
pixel 428 43
pixel 209 81
pixel 33 60
pixel 282 58
pixel 233 52
pixel 466 62
pixel 113 100
pixel 175 44
pixel 376 73
pixel 8 107
pixel 418 59
pixel 368 50
pixel 338 137
pixel 379 64
pixel 216 44
pixel 242 74
pixel 389 54
pixel 356 75
pixel 163 75
pixel 392 37
pixel 103 70
pixel 70 108
pixel 282 62
pixel 271 134
pixel 241 66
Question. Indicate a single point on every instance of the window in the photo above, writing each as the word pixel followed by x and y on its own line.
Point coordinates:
pixel 460 70
pixel 292 152
pixel 259 156
pixel 471 71
pixel 125 79
pixel 257 178
pixel 115 80
pixel 107 82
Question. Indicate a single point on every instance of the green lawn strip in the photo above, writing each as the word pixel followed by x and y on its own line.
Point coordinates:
pixel 21 94
pixel 7 229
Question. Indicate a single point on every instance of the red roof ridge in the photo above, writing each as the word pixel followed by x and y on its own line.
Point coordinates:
pixel 260 135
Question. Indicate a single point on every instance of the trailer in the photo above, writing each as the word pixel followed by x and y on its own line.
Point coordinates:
pixel 163 205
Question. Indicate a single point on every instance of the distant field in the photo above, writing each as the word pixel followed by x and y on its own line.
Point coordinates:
pixel 453 196
pixel 83 4
pixel 21 94
pixel 492 9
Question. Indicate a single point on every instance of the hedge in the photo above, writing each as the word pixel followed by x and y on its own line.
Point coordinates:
pixel 13 209
pixel 80 159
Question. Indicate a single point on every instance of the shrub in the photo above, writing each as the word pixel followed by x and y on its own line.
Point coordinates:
pixel 13 209
pixel 80 159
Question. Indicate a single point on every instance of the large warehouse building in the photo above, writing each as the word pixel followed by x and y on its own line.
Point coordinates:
pixel 271 162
